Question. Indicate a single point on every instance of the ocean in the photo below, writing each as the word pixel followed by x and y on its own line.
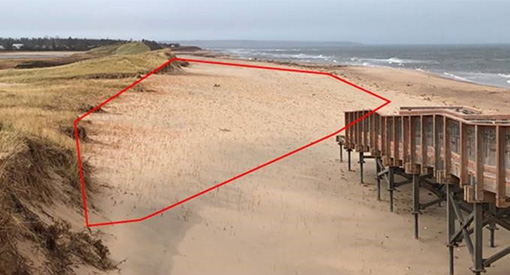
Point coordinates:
pixel 484 64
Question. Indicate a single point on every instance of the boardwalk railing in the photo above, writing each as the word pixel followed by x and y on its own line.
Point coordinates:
pixel 455 144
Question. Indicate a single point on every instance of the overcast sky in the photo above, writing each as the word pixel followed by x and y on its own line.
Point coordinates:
pixel 381 21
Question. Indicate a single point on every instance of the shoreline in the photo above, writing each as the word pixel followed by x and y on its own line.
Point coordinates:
pixel 397 82
pixel 329 65
pixel 195 51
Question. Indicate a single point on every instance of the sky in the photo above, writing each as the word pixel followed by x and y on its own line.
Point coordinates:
pixel 363 21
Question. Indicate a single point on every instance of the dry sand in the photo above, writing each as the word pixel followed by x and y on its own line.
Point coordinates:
pixel 302 215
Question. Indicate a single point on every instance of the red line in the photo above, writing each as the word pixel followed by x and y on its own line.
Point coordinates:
pixel 263 165
pixel 127 88
pixel 235 177
pixel 253 66
pixel 82 181
pixel 115 222
pixel 358 87
pixel 286 70
pixel 242 174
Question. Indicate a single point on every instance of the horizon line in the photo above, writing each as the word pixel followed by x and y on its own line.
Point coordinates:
pixel 271 40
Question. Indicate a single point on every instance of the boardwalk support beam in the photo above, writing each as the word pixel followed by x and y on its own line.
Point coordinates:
pixel 349 159
pixel 450 228
pixel 378 168
pixel 492 225
pixel 416 202
pixel 361 162
pixel 478 266
pixel 391 185
pixel 340 140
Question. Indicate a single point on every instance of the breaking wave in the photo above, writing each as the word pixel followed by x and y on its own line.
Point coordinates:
pixel 392 61
pixel 450 75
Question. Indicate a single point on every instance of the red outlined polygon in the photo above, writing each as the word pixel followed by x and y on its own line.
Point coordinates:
pixel 88 224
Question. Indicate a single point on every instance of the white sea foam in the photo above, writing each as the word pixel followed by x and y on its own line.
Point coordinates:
pixel 395 60
pixel 277 50
pixel 299 56
pixel 456 77
pixel 481 71
pixel 366 64
pixel 239 51
pixel 392 61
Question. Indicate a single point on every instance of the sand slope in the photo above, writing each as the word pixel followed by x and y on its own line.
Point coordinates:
pixel 303 215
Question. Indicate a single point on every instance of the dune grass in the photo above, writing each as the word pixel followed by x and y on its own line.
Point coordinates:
pixel 37 149
pixel 119 65
pixel 38 101
pixel 40 105
pixel 122 48
pixel 132 48
pixel 116 49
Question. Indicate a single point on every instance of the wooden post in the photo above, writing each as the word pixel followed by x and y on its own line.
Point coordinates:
pixel 412 141
pixel 364 130
pixel 437 151
pixel 446 147
pixel 373 134
pixel 500 165
pixel 406 134
pixel 383 136
pixel 463 154
pixel 478 184
pixel 348 130
pixel 395 143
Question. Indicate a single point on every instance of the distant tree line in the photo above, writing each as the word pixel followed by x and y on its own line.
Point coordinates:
pixel 67 44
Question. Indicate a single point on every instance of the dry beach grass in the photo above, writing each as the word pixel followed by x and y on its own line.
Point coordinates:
pixel 42 226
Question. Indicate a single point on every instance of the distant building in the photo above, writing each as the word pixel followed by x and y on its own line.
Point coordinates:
pixel 17 46
pixel 2 48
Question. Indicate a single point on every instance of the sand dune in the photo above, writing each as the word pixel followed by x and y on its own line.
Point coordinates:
pixel 303 215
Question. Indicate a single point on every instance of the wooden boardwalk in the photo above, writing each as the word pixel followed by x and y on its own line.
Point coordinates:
pixel 458 153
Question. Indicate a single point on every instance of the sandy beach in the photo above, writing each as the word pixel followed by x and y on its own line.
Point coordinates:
pixel 205 138
pixel 305 214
